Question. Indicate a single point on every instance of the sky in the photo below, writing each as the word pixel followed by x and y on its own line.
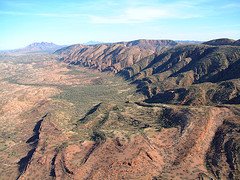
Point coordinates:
pixel 68 22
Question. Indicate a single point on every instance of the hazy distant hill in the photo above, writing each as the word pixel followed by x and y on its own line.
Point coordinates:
pixel 188 42
pixel 93 43
pixel 42 46
pixel 37 47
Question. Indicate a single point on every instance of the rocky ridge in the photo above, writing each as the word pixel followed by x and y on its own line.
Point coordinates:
pixel 222 42
pixel 190 75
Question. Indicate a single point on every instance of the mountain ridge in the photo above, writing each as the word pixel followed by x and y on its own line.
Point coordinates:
pixel 112 56
pixel 222 42
pixel 190 71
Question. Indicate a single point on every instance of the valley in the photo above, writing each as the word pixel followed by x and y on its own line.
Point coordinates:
pixel 119 90
pixel 144 109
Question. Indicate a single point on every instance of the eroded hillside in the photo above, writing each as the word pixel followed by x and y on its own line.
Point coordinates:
pixel 189 75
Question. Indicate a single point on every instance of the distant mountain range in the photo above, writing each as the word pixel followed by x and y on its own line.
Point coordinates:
pixel 141 43
pixel 188 42
pixel 42 46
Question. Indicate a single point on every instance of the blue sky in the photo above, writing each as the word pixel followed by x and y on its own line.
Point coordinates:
pixel 68 22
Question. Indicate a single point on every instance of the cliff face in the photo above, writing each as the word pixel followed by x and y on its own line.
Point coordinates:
pixel 114 56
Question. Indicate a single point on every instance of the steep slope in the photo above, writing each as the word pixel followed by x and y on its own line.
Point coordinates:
pixel 151 44
pixel 192 74
pixel 113 56
pixel 223 158
pixel 237 43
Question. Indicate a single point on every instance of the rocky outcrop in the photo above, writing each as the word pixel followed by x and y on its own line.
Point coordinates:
pixel 33 143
